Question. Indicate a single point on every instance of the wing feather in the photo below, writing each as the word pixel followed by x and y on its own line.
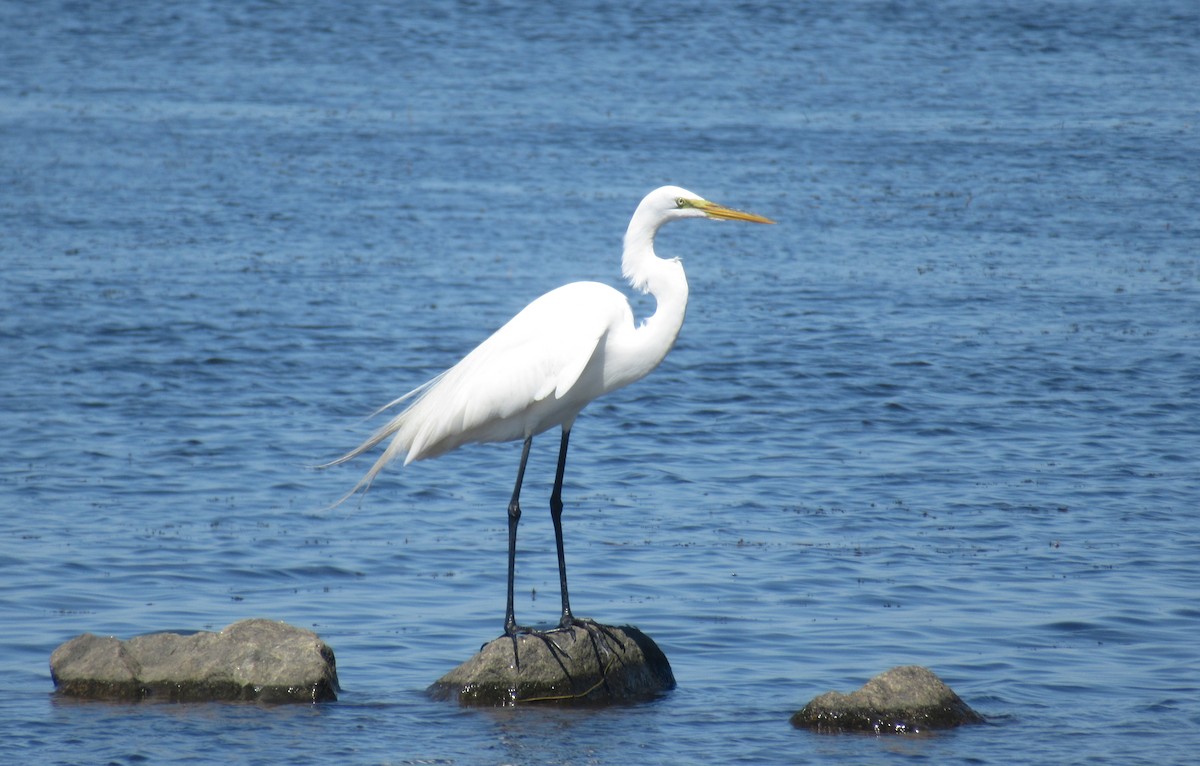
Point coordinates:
pixel 520 381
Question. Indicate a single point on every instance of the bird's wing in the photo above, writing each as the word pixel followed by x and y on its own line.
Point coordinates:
pixel 568 360
pixel 493 393
pixel 541 352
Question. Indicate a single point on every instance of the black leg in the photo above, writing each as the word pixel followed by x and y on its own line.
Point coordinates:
pixel 514 516
pixel 556 509
pixel 511 629
pixel 568 619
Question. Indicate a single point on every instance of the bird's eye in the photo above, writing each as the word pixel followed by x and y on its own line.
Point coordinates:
pixel 681 202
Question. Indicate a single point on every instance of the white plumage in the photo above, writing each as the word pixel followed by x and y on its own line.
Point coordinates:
pixel 568 347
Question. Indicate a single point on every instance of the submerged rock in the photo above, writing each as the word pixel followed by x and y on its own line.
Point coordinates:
pixel 259 660
pixel 585 664
pixel 904 700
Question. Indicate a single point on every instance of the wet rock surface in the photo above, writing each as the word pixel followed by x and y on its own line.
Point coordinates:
pixel 904 700
pixel 251 660
pixel 588 664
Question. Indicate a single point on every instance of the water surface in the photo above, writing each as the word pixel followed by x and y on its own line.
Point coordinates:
pixel 944 413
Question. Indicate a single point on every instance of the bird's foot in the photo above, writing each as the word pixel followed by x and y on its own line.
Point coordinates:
pixel 592 627
pixel 514 630
pixel 601 638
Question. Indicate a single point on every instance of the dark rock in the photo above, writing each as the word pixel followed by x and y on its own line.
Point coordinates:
pixel 259 660
pixel 903 700
pixel 586 664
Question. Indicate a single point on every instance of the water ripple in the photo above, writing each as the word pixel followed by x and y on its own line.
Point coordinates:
pixel 944 413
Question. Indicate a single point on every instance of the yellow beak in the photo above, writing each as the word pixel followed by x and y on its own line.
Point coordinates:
pixel 713 210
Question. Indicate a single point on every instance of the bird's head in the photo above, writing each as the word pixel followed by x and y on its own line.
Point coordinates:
pixel 664 204
pixel 669 203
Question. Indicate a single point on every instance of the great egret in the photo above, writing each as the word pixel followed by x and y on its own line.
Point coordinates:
pixel 568 347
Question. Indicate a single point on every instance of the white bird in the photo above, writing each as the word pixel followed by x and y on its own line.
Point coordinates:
pixel 570 346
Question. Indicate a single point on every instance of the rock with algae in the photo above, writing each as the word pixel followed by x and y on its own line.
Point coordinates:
pixel 904 700
pixel 258 660
pixel 589 664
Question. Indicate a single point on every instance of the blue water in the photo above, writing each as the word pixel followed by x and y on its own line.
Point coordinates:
pixel 947 412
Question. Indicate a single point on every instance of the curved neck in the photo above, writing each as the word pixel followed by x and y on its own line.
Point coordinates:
pixel 664 279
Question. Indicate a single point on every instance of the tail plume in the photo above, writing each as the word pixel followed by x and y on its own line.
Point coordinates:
pixel 389 430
